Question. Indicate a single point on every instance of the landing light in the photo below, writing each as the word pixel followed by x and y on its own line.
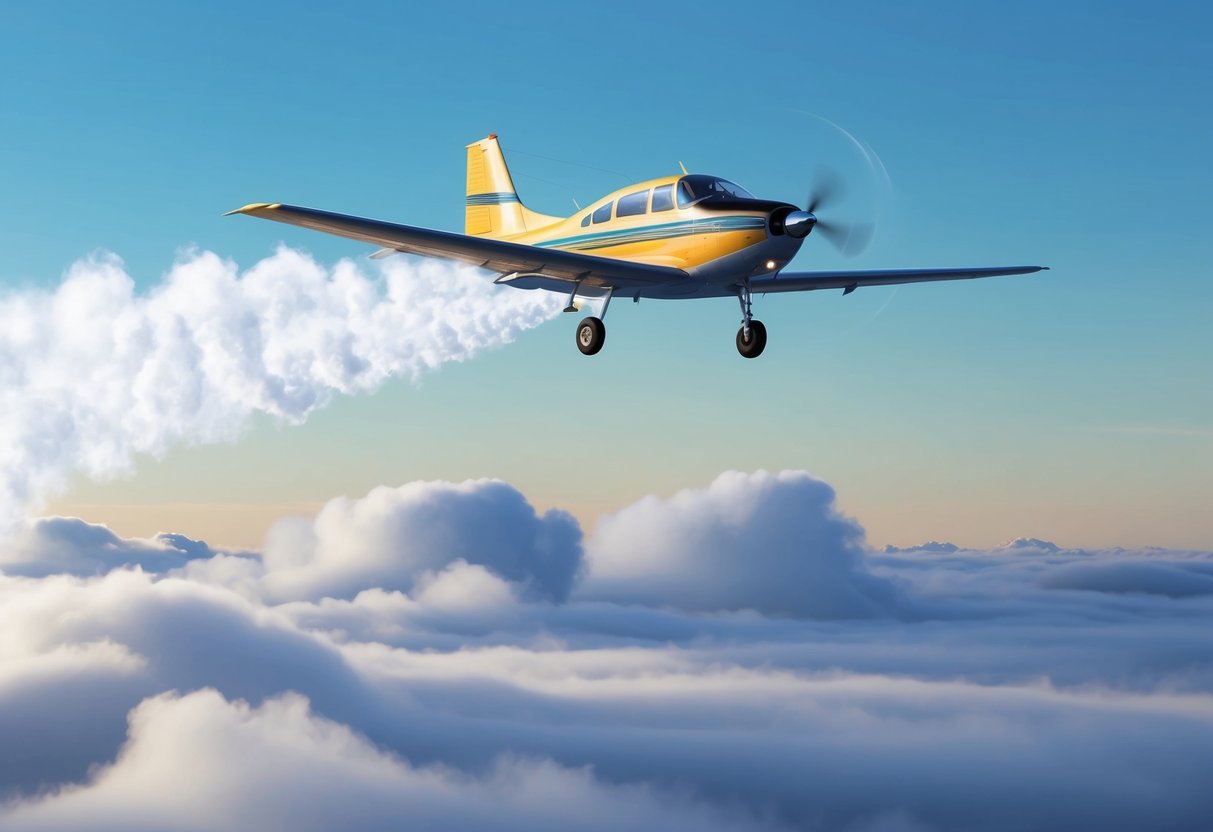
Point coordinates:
pixel 770 265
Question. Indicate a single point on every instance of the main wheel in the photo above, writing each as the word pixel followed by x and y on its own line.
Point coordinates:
pixel 753 346
pixel 591 335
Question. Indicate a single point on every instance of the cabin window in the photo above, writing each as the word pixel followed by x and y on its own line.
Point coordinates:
pixel 585 220
pixel 705 187
pixel 663 198
pixel 685 197
pixel 632 205
pixel 603 213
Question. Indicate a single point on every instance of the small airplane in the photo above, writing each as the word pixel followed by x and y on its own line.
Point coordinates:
pixel 675 237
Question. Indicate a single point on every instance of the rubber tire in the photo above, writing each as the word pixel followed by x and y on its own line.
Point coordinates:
pixel 591 335
pixel 757 343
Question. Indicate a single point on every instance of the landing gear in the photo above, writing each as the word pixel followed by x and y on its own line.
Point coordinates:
pixel 591 335
pixel 752 337
pixel 752 345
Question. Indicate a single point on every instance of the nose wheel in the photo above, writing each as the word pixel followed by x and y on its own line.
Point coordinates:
pixel 751 344
pixel 591 335
pixel 752 337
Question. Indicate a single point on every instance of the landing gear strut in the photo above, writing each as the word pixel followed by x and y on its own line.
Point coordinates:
pixel 752 337
pixel 591 335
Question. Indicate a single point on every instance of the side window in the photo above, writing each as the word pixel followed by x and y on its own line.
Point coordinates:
pixel 585 220
pixel 603 214
pixel 685 197
pixel 633 204
pixel 663 198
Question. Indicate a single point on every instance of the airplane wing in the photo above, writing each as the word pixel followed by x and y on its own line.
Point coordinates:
pixel 537 265
pixel 849 281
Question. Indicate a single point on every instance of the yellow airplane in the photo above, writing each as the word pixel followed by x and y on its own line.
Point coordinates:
pixel 685 236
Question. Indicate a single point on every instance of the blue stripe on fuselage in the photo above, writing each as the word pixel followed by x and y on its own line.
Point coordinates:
pixel 663 231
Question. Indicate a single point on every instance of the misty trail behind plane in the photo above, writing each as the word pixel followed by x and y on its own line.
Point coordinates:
pixel 94 373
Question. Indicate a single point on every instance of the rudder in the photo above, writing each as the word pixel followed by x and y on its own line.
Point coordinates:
pixel 493 208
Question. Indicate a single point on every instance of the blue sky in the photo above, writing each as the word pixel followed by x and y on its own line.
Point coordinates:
pixel 1074 404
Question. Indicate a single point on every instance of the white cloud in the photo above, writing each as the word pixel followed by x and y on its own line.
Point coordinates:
pixel 204 762
pixel 393 537
pixel 949 689
pixel 68 545
pixel 1173 579
pixel 769 542
pixel 464 588
pixel 94 373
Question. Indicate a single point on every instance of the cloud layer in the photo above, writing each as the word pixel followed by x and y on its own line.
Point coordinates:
pixel 279 766
pixel 442 656
pixel 93 373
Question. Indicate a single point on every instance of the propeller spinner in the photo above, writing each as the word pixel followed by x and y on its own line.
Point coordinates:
pixel 848 238
pixel 798 224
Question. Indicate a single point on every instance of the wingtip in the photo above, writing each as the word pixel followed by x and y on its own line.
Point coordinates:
pixel 253 207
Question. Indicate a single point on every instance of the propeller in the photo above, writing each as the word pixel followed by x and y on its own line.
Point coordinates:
pixel 828 184
pixel 849 238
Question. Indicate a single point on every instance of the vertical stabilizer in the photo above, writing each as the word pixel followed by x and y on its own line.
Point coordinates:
pixel 493 208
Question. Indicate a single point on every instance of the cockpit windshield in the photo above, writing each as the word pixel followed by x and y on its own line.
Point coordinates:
pixel 698 186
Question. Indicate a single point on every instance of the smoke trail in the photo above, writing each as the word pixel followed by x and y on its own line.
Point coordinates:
pixel 93 373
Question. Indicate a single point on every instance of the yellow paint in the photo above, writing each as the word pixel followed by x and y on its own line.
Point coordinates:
pixel 487 174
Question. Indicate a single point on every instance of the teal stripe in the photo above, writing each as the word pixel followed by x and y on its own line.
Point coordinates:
pixel 492 199
pixel 664 231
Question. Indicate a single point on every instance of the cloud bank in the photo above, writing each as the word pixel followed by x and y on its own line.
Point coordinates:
pixel 93 373
pixel 443 656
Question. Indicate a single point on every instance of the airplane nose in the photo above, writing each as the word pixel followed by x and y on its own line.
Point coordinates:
pixel 798 224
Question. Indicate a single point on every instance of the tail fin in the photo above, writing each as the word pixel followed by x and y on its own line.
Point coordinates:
pixel 493 208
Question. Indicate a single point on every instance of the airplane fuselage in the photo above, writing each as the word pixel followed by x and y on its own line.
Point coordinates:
pixel 715 239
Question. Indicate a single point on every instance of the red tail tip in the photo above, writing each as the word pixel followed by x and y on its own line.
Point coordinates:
pixel 492 135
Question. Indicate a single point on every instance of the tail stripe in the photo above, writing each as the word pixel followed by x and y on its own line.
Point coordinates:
pixel 498 198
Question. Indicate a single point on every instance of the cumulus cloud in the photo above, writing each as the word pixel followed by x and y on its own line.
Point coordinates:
pixel 393 537
pixel 93 373
pixel 930 546
pixel 769 542
pixel 1030 544
pixel 948 689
